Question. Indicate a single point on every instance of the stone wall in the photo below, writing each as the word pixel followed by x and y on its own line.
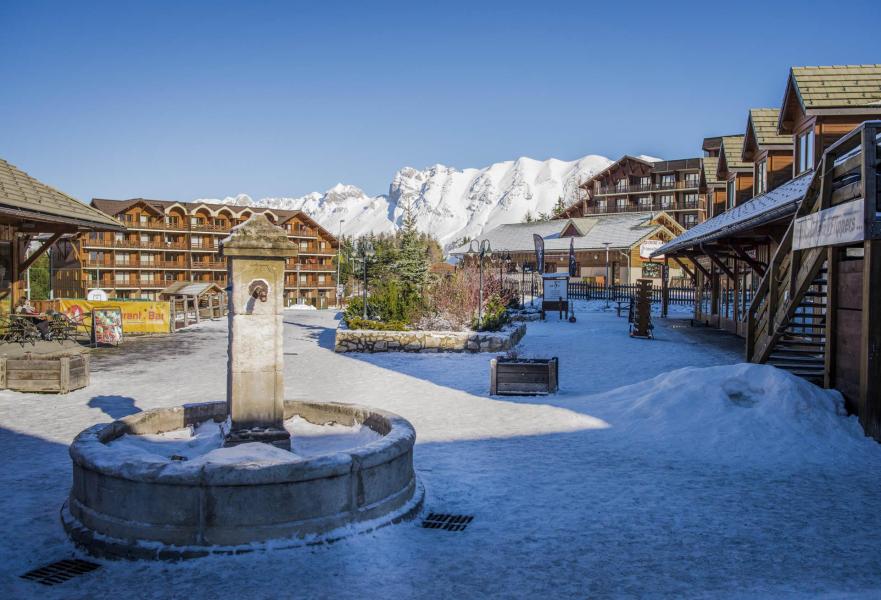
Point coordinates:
pixel 367 340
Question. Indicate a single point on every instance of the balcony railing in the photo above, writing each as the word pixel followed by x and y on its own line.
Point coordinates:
pixel 134 244
pixel 635 188
pixel 292 266
pixel 208 264
pixel 134 264
pixel 653 207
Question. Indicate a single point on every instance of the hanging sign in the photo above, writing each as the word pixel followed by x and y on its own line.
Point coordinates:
pixel 647 247
pixel 842 224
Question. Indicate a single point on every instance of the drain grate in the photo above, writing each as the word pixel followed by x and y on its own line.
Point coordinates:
pixel 447 522
pixel 61 571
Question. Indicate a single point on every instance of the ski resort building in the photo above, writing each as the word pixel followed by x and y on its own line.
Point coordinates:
pixel 165 241
pixel 796 269
pixel 633 184
pixel 629 237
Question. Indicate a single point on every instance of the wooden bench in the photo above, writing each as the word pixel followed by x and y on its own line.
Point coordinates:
pixel 523 377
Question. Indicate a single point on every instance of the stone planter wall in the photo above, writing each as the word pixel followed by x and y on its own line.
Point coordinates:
pixel 367 340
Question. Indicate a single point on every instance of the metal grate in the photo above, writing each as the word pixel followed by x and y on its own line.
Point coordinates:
pixel 447 522
pixel 61 571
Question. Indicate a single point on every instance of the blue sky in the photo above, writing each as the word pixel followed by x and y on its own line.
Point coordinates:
pixel 182 100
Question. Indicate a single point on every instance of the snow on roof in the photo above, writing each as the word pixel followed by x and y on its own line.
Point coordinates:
pixel 619 230
pixel 768 207
pixel 190 288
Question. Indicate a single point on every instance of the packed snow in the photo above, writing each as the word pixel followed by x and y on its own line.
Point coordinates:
pixel 448 203
pixel 191 448
pixel 663 468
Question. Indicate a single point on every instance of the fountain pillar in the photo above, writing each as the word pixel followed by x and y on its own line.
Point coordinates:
pixel 256 251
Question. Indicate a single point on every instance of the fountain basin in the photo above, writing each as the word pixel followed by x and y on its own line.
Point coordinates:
pixel 124 507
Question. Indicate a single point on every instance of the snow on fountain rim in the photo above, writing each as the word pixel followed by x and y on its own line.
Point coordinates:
pixel 245 464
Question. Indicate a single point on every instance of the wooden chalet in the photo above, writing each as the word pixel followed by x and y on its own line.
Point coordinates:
pixel 631 237
pixel 769 152
pixel 714 188
pixel 31 211
pixel 634 184
pixel 734 171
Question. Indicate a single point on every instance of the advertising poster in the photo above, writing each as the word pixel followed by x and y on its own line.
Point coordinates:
pixel 107 326
pixel 138 316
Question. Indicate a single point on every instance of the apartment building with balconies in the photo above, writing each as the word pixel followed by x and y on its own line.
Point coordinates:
pixel 168 241
pixel 633 184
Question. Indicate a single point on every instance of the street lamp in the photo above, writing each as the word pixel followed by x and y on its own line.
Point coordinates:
pixel 479 248
pixel 339 250
pixel 608 287
pixel 366 252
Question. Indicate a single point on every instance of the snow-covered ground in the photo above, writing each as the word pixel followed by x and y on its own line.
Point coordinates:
pixel 657 471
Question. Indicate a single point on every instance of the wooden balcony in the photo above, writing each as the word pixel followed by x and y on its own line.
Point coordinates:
pixel 637 188
pixel 209 265
pixel 292 266
pixel 133 245
pixel 657 206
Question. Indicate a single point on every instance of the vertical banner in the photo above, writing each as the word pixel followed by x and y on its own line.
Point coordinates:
pixel 539 252
pixel 572 265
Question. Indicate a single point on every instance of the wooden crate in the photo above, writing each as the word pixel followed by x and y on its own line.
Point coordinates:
pixel 60 374
pixel 523 377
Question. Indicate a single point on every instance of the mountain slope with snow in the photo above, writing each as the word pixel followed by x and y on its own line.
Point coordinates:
pixel 448 203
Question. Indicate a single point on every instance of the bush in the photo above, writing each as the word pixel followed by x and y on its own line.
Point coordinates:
pixel 389 303
pixel 361 323
pixel 495 315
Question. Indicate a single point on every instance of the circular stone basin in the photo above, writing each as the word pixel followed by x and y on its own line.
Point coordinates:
pixel 131 499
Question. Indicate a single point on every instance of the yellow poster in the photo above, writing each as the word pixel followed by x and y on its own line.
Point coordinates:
pixel 138 316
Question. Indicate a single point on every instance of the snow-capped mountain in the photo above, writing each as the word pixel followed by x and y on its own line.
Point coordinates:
pixel 448 203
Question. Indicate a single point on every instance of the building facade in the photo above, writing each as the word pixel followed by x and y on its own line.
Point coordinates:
pixel 633 184
pixel 167 241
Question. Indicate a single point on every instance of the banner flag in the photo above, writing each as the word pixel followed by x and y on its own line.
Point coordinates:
pixel 539 252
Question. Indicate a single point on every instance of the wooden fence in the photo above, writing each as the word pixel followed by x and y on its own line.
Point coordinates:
pixel 593 291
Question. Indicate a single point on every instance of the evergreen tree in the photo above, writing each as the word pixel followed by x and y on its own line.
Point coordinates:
pixel 411 264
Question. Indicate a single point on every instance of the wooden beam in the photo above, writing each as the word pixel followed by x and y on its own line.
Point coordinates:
pixel 685 268
pixel 869 403
pixel 694 256
pixel 715 258
pixel 39 252
pixel 755 265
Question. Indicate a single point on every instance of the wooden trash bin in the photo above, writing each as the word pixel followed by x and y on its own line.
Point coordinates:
pixel 523 377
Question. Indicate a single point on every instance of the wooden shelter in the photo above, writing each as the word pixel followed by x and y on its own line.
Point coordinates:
pixel 192 301
pixel 33 211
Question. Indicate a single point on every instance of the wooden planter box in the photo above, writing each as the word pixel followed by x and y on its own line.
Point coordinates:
pixel 60 374
pixel 523 377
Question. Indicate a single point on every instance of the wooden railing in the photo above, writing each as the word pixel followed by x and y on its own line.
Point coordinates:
pixel 635 188
pixel 791 273
pixel 593 291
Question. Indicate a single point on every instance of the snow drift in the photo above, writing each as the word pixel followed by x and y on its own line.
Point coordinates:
pixel 744 413
pixel 448 203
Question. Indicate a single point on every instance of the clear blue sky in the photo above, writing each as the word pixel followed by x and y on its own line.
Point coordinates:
pixel 184 99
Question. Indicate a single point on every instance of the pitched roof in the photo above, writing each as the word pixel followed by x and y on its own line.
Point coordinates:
pixel 771 206
pixel 620 230
pixel 730 157
pixel 30 198
pixel 830 87
pixel 711 164
pixel 761 132
pixel 190 288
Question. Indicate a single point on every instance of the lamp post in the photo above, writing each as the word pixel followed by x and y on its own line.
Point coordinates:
pixel 366 252
pixel 479 249
pixel 339 255
pixel 608 287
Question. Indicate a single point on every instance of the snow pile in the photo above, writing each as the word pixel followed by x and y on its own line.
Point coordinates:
pixel 448 203
pixel 300 307
pixel 744 413
pixel 202 445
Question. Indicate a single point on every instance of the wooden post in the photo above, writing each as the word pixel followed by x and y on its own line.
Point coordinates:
pixel 870 358
pixel 173 315
pixel 196 306
pixel 64 375
pixel 830 349
pixel 665 288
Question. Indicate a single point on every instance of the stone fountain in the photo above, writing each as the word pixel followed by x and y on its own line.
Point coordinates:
pixel 248 490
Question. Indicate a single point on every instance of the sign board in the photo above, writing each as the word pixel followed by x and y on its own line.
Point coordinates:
pixel 107 326
pixel 138 316
pixel 556 287
pixel 647 247
pixel 340 290
pixel 842 224
pixel 97 296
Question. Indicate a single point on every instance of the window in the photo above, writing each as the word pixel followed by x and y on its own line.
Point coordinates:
pixel 144 219
pixel 730 191
pixel 122 259
pixel 645 202
pixel 668 180
pixel 145 238
pixel 666 201
pixel 119 236
pixel 621 185
pixel 805 150
pixel 123 277
pixel 601 206
pixel 645 183
pixel 197 241
pixel 761 177
pixel 147 259
pixel 304 245
pixel 690 221
pixel 690 200
pixel 303 279
pixel 321 279
pixel 692 179
pixel 622 203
